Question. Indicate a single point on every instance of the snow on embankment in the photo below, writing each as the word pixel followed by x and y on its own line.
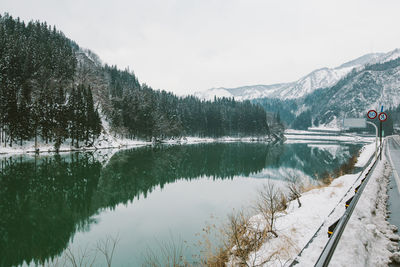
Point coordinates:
pixel 301 136
pixel 365 154
pixel 105 140
pixel 367 239
pixel 366 242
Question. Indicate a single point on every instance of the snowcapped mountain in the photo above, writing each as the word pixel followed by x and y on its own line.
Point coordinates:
pixel 320 78
pixel 354 95
pixel 325 96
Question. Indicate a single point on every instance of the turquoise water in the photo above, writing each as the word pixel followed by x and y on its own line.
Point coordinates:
pixel 146 197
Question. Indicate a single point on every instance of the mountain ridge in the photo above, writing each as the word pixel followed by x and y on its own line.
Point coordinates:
pixel 319 78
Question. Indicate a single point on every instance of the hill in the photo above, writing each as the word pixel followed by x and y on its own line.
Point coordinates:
pixel 53 91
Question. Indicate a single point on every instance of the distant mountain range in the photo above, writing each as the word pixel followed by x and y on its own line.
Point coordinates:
pixel 328 94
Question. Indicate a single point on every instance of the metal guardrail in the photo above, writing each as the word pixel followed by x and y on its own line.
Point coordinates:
pixel 330 247
pixel 295 261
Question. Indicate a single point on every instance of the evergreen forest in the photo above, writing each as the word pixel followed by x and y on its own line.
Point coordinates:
pixel 54 91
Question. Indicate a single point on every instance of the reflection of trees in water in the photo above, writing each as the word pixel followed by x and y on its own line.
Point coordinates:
pixel 314 161
pixel 139 171
pixel 44 201
pixel 42 204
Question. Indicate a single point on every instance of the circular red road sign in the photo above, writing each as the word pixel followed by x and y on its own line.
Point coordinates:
pixel 372 114
pixel 382 116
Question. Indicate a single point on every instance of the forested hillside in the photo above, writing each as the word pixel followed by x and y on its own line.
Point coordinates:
pixel 370 87
pixel 38 96
pixel 52 90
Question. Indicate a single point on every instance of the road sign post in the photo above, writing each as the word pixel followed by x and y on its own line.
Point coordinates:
pixel 380 139
pixel 376 138
pixel 382 117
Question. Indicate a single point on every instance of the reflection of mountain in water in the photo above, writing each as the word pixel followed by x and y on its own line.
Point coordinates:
pixel 44 201
pixel 316 159
pixel 310 161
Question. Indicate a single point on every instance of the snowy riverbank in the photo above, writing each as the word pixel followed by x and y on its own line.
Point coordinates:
pixel 301 136
pixel 107 141
pixel 367 238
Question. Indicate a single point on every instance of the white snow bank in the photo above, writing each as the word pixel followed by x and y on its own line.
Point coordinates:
pixel 366 239
pixel 365 154
pixel 227 139
pixel 301 136
pixel 106 140
pixel 324 128
pixel 342 138
pixel 297 227
pixel 320 206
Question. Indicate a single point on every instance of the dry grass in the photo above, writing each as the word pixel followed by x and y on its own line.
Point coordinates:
pixel 314 186
pixel 347 167
pixel 243 237
pixel 338 184
pixel 212 254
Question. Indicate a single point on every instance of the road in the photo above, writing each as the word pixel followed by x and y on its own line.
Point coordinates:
pixel 393 155
pixel 393 151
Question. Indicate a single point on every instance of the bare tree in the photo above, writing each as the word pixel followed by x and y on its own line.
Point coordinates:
pixel 295 187
pixel 271 202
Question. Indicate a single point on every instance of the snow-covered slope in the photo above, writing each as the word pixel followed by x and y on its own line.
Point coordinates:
pixel 320 78
pixel 354 96
pixel 214 92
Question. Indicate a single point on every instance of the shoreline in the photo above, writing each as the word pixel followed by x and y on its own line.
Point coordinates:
pixel 321 206
pixel 107 141
pixel 115 143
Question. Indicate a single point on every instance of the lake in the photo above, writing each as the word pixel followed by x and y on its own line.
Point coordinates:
pixel 147 197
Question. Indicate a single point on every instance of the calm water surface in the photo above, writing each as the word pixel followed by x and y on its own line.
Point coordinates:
pixel 144 196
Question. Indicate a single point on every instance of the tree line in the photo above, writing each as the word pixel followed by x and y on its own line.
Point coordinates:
pixel 38 96
pixel 41 97
pixel 145 113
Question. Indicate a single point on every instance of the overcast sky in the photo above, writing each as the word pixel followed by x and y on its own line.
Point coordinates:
pixel 191 45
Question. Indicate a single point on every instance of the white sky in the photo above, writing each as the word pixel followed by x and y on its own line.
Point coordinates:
pixel 191 45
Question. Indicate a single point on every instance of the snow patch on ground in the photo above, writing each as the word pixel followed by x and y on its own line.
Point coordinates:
pixel 107 140
pixel 103 141
pixel 298 226
pixel 299 138
pixel 365 154
pixel 366 240
pixel 325 128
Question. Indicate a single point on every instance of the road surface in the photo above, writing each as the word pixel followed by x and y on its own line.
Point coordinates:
pixel 393 155
pixel 393 151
